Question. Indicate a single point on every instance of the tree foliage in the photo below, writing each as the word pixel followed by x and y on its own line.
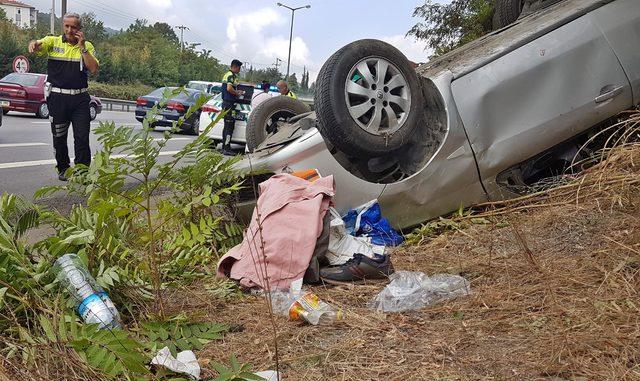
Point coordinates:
pixel 447 26
pixel 141 54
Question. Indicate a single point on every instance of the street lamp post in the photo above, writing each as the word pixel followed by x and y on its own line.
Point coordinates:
pixel 293 11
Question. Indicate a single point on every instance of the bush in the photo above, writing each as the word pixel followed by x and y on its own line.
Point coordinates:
pixel 125 92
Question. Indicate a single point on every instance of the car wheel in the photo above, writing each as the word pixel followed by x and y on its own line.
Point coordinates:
pixel 368 99
pixel 264 118
pixel 93 112
pixel 43 111
pixel 195 126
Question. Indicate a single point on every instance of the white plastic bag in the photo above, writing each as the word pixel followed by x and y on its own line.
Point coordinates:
pixel 185 362
pixel 411 290
pixel 343 246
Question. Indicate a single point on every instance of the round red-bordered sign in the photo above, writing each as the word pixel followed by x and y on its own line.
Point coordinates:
pixel 21 64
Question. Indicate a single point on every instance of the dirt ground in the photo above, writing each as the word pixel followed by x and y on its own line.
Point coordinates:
pixel 554 297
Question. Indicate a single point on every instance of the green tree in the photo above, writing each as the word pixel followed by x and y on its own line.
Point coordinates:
pixel 166 31
pixel 447 26
pixel 3 15
pixel 93 28
pixel 293 83
pixel 304 82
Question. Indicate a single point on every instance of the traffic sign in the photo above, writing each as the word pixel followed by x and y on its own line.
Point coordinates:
pixel 21 64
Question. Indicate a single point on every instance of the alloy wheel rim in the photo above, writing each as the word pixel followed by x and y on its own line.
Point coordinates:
pixel 378 96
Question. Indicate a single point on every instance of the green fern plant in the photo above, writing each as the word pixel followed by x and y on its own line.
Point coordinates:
pixel 149 222
pixel 235 372
pixel 112 352
pixel 180 336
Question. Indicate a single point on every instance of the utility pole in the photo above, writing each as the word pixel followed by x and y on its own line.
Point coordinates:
pixel 182 29
pixel 277 63
pixel 64 8
pixel 293 11
pixel 53 16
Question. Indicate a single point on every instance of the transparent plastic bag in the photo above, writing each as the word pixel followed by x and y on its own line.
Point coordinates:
pixel 411 290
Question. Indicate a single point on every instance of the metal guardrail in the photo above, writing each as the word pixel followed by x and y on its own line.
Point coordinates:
pixel 109 104
pixel 119 104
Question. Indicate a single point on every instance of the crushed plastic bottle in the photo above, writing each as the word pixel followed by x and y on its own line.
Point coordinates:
pixel 411 290
pixel 303 306
pixel 92 302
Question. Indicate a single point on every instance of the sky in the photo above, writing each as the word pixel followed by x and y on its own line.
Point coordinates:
pixel 257 31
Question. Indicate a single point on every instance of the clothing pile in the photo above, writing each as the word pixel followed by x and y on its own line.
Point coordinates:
pixel 294 234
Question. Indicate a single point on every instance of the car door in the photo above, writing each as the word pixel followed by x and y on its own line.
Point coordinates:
pixel 620 23
pixel 539 95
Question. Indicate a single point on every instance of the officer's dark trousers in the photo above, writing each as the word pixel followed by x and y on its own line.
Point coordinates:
pixel 229 124
pixel 64 110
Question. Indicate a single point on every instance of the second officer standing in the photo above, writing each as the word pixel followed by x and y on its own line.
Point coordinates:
pixel 230 94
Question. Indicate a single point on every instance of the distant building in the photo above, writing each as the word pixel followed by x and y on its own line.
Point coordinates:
pixel 23 15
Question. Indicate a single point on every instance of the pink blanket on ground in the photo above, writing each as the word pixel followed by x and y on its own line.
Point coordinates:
pixel 279 248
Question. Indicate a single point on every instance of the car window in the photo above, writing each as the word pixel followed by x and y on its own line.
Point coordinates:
pixel 157 92
pixel 187 95
pixel 197 86
pixel 21 79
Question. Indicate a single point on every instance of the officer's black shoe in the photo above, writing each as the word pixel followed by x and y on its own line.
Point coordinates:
pixel 227 151
pixel 62 176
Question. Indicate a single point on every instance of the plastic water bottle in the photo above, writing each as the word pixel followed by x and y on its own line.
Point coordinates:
pixel 92 302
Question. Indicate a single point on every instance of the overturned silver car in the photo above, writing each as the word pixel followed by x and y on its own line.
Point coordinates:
pixel 471 126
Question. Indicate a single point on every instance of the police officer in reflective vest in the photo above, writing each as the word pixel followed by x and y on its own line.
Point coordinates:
pixel 70 57
pixel 230 94
pixel 283 88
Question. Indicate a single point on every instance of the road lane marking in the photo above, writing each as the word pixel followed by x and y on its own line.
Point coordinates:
pixel 96 123
pixel 11 145
pixel 35 163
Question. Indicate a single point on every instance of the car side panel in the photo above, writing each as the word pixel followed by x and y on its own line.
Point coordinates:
pixel 450 178
pixel 620 23
pixel 310 152
pixel 539 95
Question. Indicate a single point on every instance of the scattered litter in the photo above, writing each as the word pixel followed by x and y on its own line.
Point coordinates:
pixel 367 220
pixel 411 290
pixel 343 246
pixel 92 302
pixel 185 362
pixel 311 309
pixel 303 306
pixel 269 375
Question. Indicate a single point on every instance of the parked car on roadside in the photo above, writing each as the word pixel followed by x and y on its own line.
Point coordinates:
pixel 175 108
pixel 211 88
pixel 241 135
pixel 24 92
pixel 481 123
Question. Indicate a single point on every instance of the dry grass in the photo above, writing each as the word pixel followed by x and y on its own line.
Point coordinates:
pixel 555 296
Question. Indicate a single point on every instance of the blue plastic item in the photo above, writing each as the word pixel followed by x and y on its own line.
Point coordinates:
pixel 367 220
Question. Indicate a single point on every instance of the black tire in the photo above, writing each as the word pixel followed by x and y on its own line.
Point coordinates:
pixel 195 126
pixel 43 111
pixel 506 12
pixel 262 117
pixel 337 125
pixel 5 111
pixel 93 112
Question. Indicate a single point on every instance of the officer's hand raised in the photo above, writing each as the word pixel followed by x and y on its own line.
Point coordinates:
pixel 34 46
pixel 80 37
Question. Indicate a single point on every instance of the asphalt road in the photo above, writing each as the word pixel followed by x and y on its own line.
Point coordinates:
pixel 26 151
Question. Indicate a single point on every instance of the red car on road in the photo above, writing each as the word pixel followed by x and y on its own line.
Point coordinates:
pixel 25 93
